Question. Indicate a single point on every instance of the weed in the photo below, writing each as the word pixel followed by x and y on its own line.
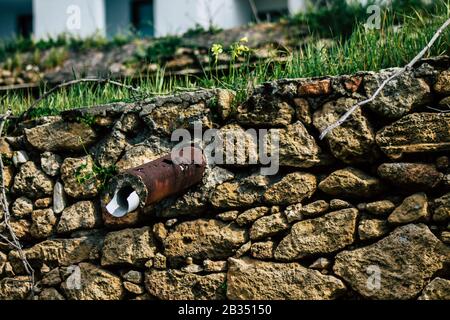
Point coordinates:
pixel 98 174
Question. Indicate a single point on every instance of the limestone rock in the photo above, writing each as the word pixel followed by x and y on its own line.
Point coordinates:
pixel 133 288
pixel 338 204
pixel 52 278
pixel 81 215
pixel 22 207
pixel 380 208
pixel 413 208
pixel 260 110
pixel 50 294
pixel 51 163
pixel 17 288
pixel 225 100
pixel 303 111
pixel 3 259
pixel 110 149
pixel 244 192
pixel 20 227
pixel 268 226
pixel 369 229
pixel 293 213
pixel 354 140
pixel 249 279
pixel 415 133
pixel 128 247
pixel 438 289
pixel 78 179
pixel 327 234
pixel 177 285
pixel 404 260
pixel 410 176
pixel 263 250
pixel 203 239
pixel 251 215
pixel 228 216
pixel 61 252
pixel 297 148
pixel 43 223
pixel 215 266
pixel 293 188
pixel 314 209
pixel 160 232
pixel 20 157
pixel 43 203
pixel 400 96
pixel 169 117
pixel 133 276
pixel 96 284
pixel 442 85
pixel 138 155
pixel 320 264
pixel 5 149
pixel 32 182
pixel 61 136
pixel 442 208
pixel 351 182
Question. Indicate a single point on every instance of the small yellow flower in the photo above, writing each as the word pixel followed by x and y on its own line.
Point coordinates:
pixel 244 40
pixel 216 50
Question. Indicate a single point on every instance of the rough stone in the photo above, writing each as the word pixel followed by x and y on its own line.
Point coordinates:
pixel 315 88
pixel 138 155
pixel 380 208
pixel 32 182
pixel 400 96
pixel 410 176
pixel 320 264
pixel 51 278
pixel 268 226
pixel 405 259
pixel 327 234
pixel 297 148
pixel 203 239
pixel 251 215
pixel 133 276
pixel 249 279
pixel 228 216
pixel 51 163
pixel 263 250
pixel 351 182
pixel 354 140
pixel 50 294
pixel 59 198
pixel 314 209
pixel 303 111
pixel 22 207
pixel 215 266
pixel 239 193
pixel 293 213
pixel 160 232
pixel 442 208
pixel 128 247
pixel 225 100
pixel 21 228
pixel 415 133
pixel 61 136
pixel 5 149
pixel 17 288
pixel 167 118
pixel 369 229
pixel 81 215
pixel 61 252
pixel 110 149
pixel 20 157
pixel 413 208
pixel 177 285
pixel 260 111
pixel 77 176
pixel 438 289
pixel 338 204
pixel 43 223
pixel 160 261
pixel 293 188
pixel 442 85
pixel 97 284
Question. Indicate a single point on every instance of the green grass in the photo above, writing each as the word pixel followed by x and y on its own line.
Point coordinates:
pixel 363 50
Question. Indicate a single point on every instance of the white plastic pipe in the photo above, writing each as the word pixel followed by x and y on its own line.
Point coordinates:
pixel 125 200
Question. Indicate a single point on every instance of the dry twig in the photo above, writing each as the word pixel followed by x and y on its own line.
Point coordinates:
pixel 385 82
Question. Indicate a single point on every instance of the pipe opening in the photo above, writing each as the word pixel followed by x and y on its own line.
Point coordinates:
pixel 125 200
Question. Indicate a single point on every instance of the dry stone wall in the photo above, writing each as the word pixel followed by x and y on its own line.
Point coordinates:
pixel 363 214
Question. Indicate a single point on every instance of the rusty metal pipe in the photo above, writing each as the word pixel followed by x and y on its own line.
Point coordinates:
pixel 154 181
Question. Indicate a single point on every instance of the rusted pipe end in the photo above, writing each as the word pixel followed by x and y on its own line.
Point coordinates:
pixel 154 181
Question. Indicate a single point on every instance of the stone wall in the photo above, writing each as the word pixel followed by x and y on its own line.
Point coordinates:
pixel 363 214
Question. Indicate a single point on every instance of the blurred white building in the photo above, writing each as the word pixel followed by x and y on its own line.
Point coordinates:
pixel 48 18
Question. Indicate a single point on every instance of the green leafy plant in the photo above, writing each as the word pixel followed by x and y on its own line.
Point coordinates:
pixel 97 174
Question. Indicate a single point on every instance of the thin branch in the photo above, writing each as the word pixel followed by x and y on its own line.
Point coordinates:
pixel 14 242
pixel 380 89
pixel 254 10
